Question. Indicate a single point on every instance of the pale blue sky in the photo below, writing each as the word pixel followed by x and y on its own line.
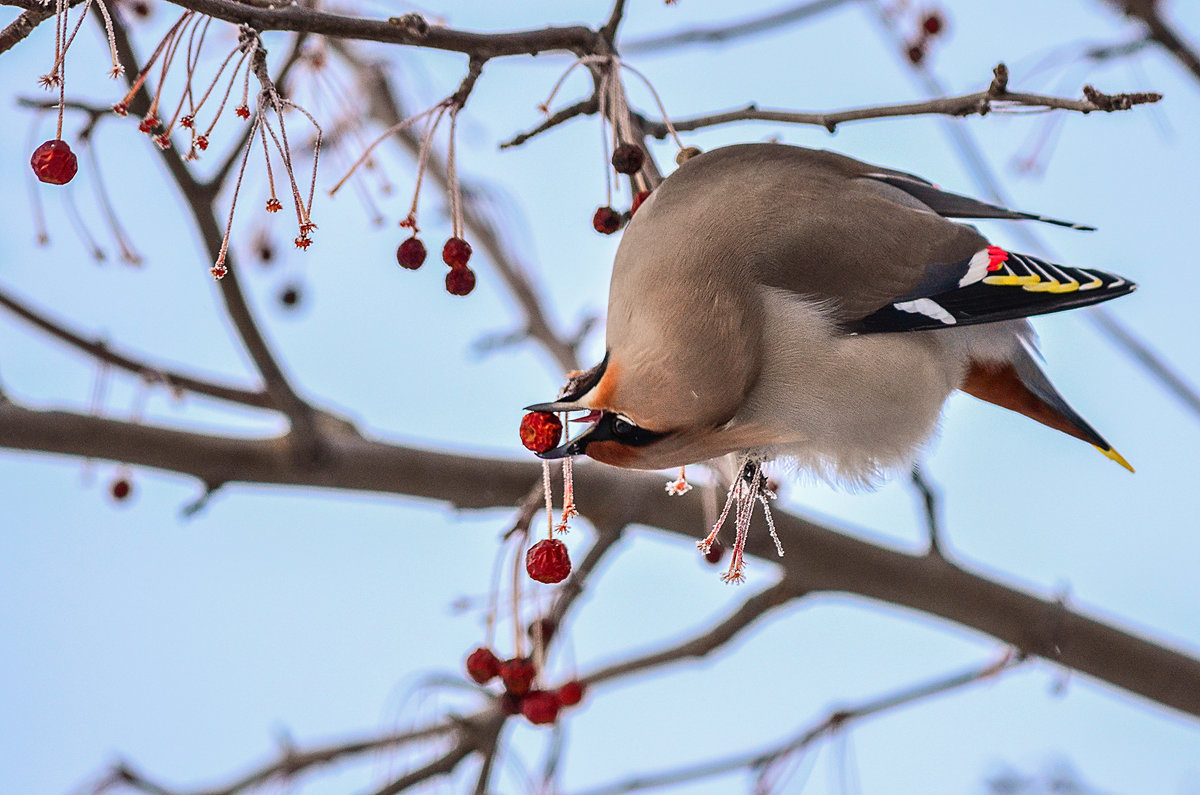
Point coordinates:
pixel 186 646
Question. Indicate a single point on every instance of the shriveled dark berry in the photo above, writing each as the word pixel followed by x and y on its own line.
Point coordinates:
pixel 628 158
pixel 606 221
pixel 460 281
pixel 411 254
pixel 456 252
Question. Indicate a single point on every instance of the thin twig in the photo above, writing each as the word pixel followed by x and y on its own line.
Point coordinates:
pixel 101 352
pixel 729 31
pixel 834 721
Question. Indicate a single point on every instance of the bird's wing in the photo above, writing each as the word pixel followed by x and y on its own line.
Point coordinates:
pixel 992 285
pixel 953 205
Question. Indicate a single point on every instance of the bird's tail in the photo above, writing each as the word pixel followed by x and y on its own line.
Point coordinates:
pixel 1020 385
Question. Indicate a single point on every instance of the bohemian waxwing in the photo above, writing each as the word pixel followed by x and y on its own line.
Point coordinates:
pixel 781 302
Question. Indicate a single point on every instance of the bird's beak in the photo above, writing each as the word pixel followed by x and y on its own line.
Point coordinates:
pixel 574 447
pixel 557 406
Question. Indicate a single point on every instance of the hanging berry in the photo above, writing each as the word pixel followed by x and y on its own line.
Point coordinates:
pixel 517 675
pixel 628 158
pixel 547 561
pixel 482 665
pixel 640 197
pixel 606 221
pixel 54 163
pixel 411 254
pixel 460 281
pixel 570 694
pixel 540 707
pixel 540 431
pixel 120 489
pixel 289 297
pixel 456 252
pixel 932 23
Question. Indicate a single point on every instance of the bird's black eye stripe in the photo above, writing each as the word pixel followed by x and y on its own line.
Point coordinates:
pixel 623 428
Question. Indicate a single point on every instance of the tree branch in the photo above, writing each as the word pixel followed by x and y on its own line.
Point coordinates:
pixel 834 721
pixel 100 351
pixel 1160 32
pixel 819 557
pixel 578 39
pixel 980 102
pixel 725 32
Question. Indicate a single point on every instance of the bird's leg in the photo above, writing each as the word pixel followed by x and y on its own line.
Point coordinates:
pixel 930 500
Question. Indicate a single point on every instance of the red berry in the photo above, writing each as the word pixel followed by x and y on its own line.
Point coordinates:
pixel 628 158
pixel 932 24
pixel 540 431
pixel 482 665
pixel 121 108
pixel 121 489
pixel 715 553
pixel 460 281
pixel 202 142
pixel 142 9
pixel 540 707
pixel 290 297
pixel 54 162
pixel 606 220
pixel 517 675
pixel 547 561
pixel 570 694
pixel 641 196
pixel 242 111
pixel 456 252
pixel 916 53
pixel 302 242
pixel 411 254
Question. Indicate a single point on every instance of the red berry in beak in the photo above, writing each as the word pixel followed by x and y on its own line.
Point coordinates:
pixel 606 220
pixel 411 254
pixel 570 694
pixel 517 675
pixel 628 158
pixel 540 431
pixel 540 707
pixel 460 281
pixel 54 163
pixel 482 665
pixel 456 252
pixel 547 561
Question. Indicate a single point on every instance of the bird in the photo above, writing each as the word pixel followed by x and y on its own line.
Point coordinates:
pixel 784 303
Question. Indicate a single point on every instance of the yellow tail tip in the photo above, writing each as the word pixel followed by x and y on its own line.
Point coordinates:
pixel 1115 456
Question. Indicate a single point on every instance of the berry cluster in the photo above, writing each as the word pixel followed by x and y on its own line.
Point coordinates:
pixel 930 25
pixel 518 676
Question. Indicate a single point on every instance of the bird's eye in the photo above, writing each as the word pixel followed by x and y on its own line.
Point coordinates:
pixel 622 427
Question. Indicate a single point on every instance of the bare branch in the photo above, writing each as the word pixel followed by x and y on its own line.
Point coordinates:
pixel 1160 31
pixel 740 620
pixel 293 762
pixel 576 39
pixel 16 31
pixel 819 558
pixel 729 31
pixel 978 103
pixel 834 721
pixel 585 107
pixel 100 351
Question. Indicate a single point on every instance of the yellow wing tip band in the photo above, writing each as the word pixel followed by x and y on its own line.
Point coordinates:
pixel 1115 456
